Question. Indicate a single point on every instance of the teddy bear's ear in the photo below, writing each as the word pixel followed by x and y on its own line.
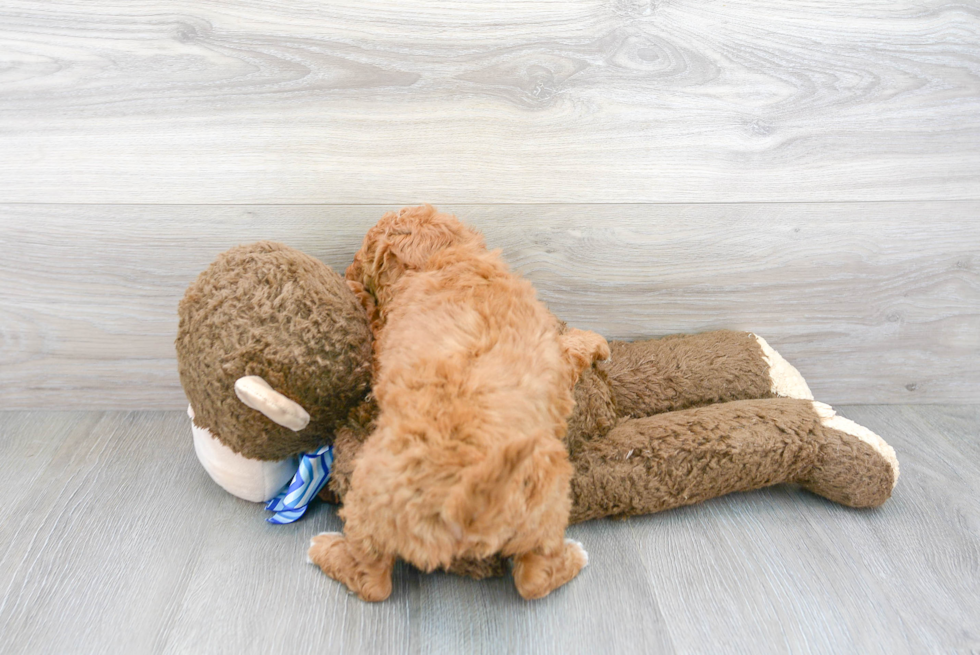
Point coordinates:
pixel 257 394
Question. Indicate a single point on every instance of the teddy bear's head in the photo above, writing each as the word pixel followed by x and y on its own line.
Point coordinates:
pixel 273 350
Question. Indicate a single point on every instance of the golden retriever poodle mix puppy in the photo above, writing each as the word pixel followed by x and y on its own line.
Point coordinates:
pixel 474 382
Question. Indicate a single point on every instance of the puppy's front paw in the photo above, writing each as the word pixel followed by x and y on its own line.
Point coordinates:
pixel 601 351
pixel 595 345
pixel 583 348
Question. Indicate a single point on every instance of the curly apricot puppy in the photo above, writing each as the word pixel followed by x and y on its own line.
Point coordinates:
pixel 474 383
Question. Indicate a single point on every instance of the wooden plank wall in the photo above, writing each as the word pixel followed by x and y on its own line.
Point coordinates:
pixel 871 301
pixel 509 101
pixel 810 172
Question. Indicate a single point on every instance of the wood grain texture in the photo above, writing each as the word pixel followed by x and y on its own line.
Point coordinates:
pixel 617 608
pixel 780 570
pixel 225 101
pixel 118 540
pixel 874 302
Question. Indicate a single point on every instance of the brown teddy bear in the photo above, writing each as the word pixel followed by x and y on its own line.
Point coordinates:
pixel 274 354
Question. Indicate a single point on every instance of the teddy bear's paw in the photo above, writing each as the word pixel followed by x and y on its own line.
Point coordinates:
pixel 786 380
pixel 831 419
pixel 851 464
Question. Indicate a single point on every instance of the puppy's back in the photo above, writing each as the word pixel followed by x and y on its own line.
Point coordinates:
pixel 470 333
pixel 473 394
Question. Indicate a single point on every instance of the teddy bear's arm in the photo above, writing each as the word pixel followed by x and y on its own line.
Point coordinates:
pixel 347 443
pixel 682 371
pixel 679 458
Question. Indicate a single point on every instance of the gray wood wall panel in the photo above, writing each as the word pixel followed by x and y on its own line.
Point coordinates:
pixel 874 302
pixel 567 101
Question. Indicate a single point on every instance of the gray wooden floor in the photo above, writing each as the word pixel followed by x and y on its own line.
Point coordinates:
pixel 114 540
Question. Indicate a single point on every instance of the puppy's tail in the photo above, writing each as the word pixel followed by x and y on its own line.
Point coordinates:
pixel 482 495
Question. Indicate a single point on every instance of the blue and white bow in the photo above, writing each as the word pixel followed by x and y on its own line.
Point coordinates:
pixel 313 473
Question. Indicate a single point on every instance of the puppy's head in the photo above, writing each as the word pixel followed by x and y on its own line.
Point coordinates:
pixel 403 241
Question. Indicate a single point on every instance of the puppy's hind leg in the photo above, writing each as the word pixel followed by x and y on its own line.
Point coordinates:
pixel 367 575
pixel 538 572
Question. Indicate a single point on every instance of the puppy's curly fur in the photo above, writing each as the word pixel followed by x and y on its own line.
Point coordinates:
pixel 474 382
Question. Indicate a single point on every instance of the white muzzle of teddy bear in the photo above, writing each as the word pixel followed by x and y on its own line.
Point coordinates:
pixel 250 479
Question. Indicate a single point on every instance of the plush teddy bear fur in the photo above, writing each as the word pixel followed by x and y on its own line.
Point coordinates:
pixel 665 423
pixel 272 311
pixel 715 426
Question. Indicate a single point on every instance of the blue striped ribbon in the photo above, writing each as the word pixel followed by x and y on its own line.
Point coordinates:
pixel 313 473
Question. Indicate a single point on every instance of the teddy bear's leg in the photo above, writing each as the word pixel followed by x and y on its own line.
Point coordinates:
pixel 682 371
pixel 849 449
pixel 494 566
pixel 679 458
pixel 366 574
pixel 539 572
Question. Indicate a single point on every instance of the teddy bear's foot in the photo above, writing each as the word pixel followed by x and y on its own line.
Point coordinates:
pixel 368 577
pixel 537 574
pixel 855 466
pixel 786 380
